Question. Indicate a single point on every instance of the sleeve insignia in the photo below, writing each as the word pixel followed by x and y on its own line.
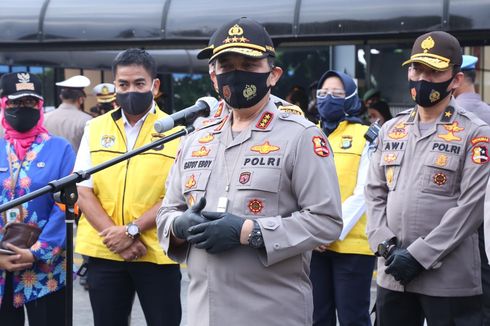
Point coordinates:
pixel 320 146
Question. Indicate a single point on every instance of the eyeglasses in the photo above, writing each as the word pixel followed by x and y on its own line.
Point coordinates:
pixel 336 93
pixel 24 101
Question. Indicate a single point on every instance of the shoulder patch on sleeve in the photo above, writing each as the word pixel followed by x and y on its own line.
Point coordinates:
pixel 293 109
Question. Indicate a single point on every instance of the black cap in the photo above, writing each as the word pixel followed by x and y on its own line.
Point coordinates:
pixel 244 36
pixel 20 84
pixel 438 50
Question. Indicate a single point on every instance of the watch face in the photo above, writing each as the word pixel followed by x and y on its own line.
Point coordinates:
pixel 133 229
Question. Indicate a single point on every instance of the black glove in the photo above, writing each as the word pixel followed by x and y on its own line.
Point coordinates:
pixel 403 266
pixel 221 233
pixel 191 217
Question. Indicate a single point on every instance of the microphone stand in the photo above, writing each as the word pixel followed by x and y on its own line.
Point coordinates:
pixel 68 189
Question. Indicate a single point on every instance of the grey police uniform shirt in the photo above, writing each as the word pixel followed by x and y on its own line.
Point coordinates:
pixel 281 174
pixel 427 191
pixel 472 102
pixel 67 121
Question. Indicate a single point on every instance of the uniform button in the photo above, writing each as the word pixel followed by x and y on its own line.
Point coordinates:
pixel 277 246
pixel 165 231
pixel 284 115
pixel 271 224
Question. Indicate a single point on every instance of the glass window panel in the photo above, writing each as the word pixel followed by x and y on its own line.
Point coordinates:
pixel 361 16
pixel 193 19
pixel 103 20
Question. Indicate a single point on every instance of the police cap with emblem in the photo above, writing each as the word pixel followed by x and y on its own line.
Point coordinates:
pixel 437 50
pixel 105 92
pixel 20 84
pixel 244 36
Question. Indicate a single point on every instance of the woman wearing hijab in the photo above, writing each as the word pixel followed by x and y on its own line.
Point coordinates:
pixel 341 272
pixel 30 157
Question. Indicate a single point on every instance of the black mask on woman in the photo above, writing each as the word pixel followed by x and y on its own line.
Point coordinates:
pixel 22 118
pixel 242 89
pixel 135 103
pixel 427 94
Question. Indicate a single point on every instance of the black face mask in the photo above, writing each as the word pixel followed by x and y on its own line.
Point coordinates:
pixel 242 89
pixel 134 103
pixel 22 118
pixel 427 94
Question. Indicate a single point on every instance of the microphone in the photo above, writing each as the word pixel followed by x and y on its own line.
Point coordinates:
pixel 183 117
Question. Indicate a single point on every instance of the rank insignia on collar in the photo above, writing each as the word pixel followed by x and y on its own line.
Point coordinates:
pixel 206 139
pixel 107 141
pixel 265 148
pixel 201 152
pixel 479 154
pixel 451 130
pixel 265 120
pixel 447 115
pixel 218 112
pixel 255 206
pixel 221 124
pixel 191 182
pixel 244 177
pixel 320 146
pixel 441 160
pixel 390 158
pixel 439 179
pixel 346 142
pixel 399 131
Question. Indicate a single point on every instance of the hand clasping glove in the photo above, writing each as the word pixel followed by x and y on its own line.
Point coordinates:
pixel 403 266
pixel 221 233
pixel 191 217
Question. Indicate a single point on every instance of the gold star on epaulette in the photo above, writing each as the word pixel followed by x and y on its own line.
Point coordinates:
pixel 412 114
pixel 448 114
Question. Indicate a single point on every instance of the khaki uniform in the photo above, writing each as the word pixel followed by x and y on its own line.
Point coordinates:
pixel 427 191
pixel 282 174
pixel 67 121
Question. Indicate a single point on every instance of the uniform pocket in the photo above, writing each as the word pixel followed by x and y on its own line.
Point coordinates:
pixel 440 174
pixel 257 192
pixel 194 185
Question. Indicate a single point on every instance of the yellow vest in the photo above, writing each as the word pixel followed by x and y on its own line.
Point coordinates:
pixel 348 142
pixel 128 189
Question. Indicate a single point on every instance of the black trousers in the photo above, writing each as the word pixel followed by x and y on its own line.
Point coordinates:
pixel 45 311
pixel 341 286
pixel 113 284
pixel 485 278
pixel 410 309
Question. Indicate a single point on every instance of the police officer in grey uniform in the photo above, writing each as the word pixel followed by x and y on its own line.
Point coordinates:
pixel 467 97
pixel 250 195
pixel 69 119
pixel 424 197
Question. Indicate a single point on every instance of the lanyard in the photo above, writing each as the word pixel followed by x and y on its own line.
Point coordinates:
pixel 17 211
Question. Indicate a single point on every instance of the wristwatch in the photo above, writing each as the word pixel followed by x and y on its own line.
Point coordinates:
pixel 386 247
pixel 132 230
pixel 255 239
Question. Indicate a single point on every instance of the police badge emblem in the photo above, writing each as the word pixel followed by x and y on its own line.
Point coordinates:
pixel 346 142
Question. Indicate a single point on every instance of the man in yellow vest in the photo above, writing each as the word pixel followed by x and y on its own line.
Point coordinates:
pixel 117 229
pixel 341 272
